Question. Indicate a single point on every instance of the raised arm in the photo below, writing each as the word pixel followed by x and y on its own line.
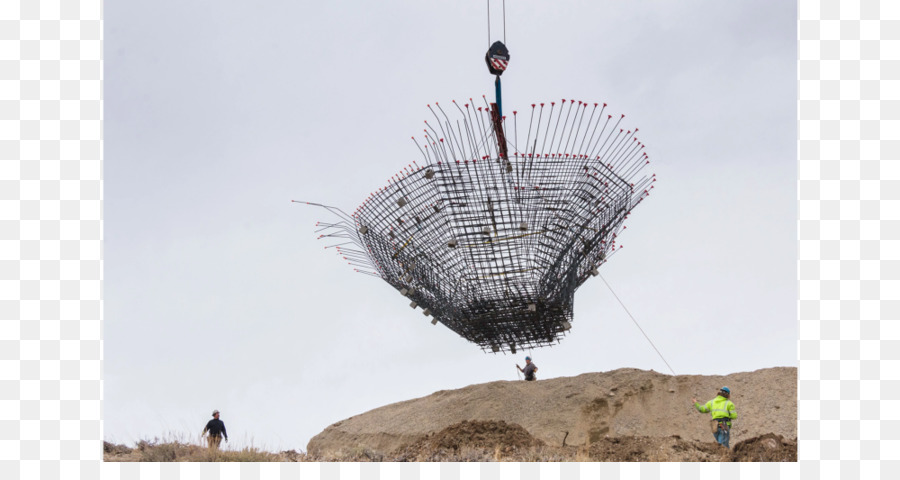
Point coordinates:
pixel 702 408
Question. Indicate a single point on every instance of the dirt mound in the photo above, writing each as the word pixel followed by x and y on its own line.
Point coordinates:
pixel 499 441
pixel 766 448
pixel 481 434
pixel 502 438
pixel 655 449
pixel 627 404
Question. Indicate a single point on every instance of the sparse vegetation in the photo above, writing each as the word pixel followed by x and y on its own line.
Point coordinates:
pixel 478 442
pixel 177 448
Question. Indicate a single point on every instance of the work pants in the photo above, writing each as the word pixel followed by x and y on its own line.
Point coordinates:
pixel 214 441
pixel 722 435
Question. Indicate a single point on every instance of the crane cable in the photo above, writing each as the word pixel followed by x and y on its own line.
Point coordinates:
pixel 489 21
pixel 636 323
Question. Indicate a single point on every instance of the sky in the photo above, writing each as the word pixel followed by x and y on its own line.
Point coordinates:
pixel 219 113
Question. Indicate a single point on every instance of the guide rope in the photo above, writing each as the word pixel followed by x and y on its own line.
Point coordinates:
pixel 636 323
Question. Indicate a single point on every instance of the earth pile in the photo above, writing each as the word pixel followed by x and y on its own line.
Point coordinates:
pixel 621 415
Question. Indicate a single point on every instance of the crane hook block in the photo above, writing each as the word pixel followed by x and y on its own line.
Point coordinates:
pixel 497 58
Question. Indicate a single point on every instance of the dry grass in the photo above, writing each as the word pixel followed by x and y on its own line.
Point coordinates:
pixel 178 448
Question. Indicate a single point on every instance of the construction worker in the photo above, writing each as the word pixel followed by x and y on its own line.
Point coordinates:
pixel 216 429
pixel 722 410
pixel 529 370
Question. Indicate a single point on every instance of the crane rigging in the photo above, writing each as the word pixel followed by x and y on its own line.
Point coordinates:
pixel 492 234
pixel 497 59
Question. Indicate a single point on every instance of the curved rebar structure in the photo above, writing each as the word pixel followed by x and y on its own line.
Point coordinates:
pixel 501 223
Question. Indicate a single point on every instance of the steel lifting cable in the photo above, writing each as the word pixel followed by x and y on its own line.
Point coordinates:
pixel 636 323
pixel 489 21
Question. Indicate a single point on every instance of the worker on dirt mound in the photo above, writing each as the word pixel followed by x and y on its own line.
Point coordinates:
pixel 723 413
pixel 529 370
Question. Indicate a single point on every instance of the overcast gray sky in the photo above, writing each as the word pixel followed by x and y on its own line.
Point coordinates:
pixel 218 113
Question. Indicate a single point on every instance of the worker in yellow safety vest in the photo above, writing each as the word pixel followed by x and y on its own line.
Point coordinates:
pixel 722 410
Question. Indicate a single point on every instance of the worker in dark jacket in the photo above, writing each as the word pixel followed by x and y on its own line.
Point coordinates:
pixel 216 429
pixel 723 412
pixel 529 369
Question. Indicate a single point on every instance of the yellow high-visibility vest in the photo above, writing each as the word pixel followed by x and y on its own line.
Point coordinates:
pixel 720 407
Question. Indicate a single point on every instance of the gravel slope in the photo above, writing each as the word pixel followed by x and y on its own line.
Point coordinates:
pixel 582 409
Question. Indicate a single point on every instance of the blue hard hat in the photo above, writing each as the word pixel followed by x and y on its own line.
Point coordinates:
pixel 726 390
pixel 527 358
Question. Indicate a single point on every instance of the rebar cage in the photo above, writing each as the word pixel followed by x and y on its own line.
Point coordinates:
pixel 495 231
